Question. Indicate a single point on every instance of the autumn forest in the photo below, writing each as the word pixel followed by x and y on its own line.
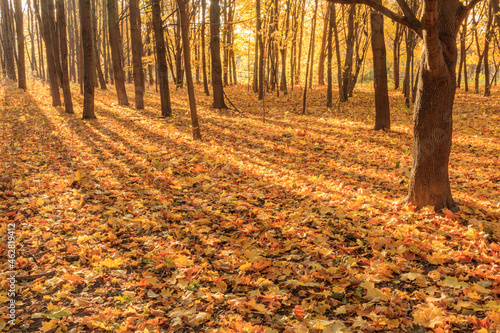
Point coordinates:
pixel 249 166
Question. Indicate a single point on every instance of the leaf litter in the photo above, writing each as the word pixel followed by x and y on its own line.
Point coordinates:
pixel 288 225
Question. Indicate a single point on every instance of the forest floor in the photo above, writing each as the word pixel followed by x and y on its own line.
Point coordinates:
pixel 290 224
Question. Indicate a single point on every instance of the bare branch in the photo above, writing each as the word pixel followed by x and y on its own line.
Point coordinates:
pixel 406 9
pixel 411 22
pixel 465 11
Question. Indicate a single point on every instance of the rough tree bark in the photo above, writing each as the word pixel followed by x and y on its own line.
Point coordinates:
pixel 161 54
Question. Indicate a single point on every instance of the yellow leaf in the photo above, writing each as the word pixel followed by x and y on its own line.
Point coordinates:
pixel 170 129
pixel 49 325
pixel 183 261
pixel 437 258
pixel 79 175
pixel 261 308
pixel 373 292
pixel 245 266
pixel 112 263
pixel 428 316
pixel 319 326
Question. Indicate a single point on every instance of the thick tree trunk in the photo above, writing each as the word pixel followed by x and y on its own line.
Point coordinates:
pixel 116 52
pixel 21 63
pixel 382 112
pixel 218 90
pixel 135 35
pixel 432 122
pixel 166 108
pixel 63 44
pixel 88 60
pixel 187 65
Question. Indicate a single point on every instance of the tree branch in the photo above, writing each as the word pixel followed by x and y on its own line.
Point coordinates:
pixel 410 21
pixel 406 9
pixel 465 11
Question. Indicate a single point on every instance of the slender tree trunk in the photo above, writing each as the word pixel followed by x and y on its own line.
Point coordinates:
pixel 8 40
pixel 311 46
pixel 260 41
pixel 41 36
pixel 323 50
pixel 382 112
pixel 218 90
pixel 329 47
pixel 347 73
pixel 21 64
pixel 225 44
pixel 487 39
pixel 337 52
pixel 284 47
pixel 88 59
pixel 166 108
pixel 55 41
pixel 51 64
pixel 312 42
pixel 178 54
pixel 63 44
pixel 97 51
pixel 115 41
pixel 463 34
pixel 187 65
pixel 299 60
pixel 203 47
pixel 396 54
pixel 135 34
pixel 255 85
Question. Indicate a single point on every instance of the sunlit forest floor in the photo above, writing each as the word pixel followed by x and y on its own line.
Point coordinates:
pixel 292 223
